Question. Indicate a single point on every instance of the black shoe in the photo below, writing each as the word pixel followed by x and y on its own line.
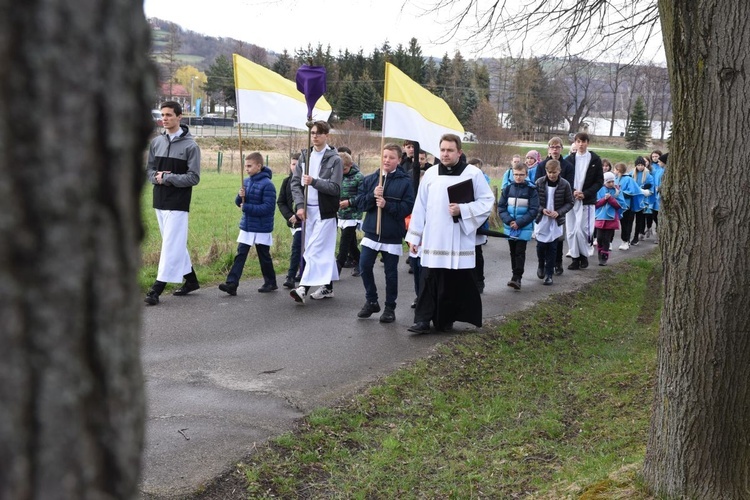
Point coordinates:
pixel 634 243
pixel 230 288
pixel 420 327
pixel 152 298
pixel 515 283
pixel 414 304
pixel 356 273
pixel 349 263
pixel 548 280
pixel 369 309
pixel 575 265
pixel 540 273
pixel 448 327
pixel 186 288
pixel 411 270
pixel 267 288
pixel 388 316
pixel 602 259
pixel 289 283
pixel 584 262
pixel 559 269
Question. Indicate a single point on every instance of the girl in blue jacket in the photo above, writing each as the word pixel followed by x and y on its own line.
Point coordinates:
pixel 609 203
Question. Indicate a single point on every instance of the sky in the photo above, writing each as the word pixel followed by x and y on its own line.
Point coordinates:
pixel 287 24
pixel 343 24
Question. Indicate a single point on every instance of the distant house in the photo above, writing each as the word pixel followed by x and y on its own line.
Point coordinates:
pixel 178 93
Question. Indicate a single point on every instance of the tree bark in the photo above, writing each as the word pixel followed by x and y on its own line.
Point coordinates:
pixel 74 119
pixel 698 443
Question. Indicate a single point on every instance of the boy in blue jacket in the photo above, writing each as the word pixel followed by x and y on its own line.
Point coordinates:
pixel 257 198
pixel 518 207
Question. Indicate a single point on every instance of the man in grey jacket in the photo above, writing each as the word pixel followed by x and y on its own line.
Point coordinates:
pixel 321 183
pixel 174 165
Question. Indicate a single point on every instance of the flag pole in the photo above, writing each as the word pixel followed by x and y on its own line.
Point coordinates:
pixel 382 144
pixel 311 81
pixel 239 124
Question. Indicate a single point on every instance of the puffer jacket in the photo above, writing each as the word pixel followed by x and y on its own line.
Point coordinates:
pixel 349 187
pixel 520 203
pixel 260 198
pixel 563 202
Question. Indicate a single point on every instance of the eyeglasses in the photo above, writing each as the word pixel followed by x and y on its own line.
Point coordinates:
pixel 556 146
pixel 317 133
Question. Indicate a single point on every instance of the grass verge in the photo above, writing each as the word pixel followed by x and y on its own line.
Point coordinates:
pixel 553 402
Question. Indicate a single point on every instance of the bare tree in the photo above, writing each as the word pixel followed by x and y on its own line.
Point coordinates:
pixel 171 51
pixel 614 81
pixel 581 92
pixel 697 446
pixel 73 125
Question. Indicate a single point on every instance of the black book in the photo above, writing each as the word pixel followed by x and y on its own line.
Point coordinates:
pixel 463 192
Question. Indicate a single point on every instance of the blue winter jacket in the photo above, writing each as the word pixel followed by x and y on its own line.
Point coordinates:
pixel 260 200
pixel 520 203
pixel 399 201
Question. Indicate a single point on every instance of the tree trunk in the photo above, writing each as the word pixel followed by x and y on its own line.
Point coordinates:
pixel 75 90
pixel 698 442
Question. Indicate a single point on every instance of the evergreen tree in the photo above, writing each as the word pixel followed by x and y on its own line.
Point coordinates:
pixel 638 130
pixel 284 65
pixel 347 105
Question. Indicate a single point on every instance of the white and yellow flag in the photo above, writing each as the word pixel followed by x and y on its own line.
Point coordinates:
pixel 266 97
pixel 412 112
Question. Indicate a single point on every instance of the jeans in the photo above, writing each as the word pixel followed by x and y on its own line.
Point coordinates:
pixel 517 256
pixel 264 257
pixel 390 262
pixel 547 253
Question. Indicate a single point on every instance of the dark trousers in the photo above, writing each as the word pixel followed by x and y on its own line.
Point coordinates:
pixel 479 266
pixel 517 256
pixel 264 257
pixel 547 253
pixel 626 225
pixel 559 251
pixel 347 246
pixel 390 264
pixel 604 239
pixel 416 267
pixel 640 225
pixel 652 218
pixel 295 256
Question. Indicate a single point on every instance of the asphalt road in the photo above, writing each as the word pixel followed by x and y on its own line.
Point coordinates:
pixel 226 373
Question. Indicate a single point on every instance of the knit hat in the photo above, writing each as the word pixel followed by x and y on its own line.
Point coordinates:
pixel 608 176
pixel 663 158
pixel 535 154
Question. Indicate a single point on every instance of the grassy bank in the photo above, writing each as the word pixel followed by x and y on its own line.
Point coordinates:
pixel 552 402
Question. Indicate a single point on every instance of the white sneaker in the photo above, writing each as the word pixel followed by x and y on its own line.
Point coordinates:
pixel 625 245
pixel 298 294
pixel 322 293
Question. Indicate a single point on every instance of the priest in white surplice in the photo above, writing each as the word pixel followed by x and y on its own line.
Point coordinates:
pixel 447 234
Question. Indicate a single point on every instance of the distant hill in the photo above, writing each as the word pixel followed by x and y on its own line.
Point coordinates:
pixel 200 50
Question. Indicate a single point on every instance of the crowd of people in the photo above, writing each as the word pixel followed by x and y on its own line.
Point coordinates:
pixel 440 211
